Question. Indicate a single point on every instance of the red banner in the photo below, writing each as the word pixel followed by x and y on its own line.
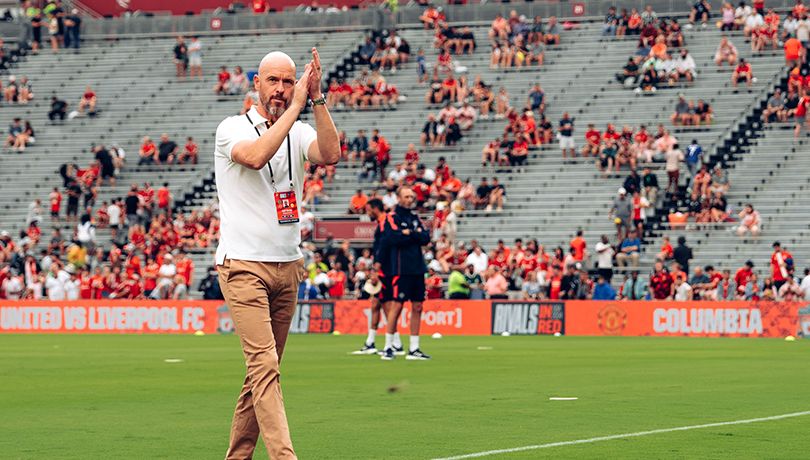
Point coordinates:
pixel 180 7
pixel 119 316
pixel 351 229
pixel 447 317
pixel 690 319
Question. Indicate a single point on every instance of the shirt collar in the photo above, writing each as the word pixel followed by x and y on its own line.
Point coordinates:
pixel 255 117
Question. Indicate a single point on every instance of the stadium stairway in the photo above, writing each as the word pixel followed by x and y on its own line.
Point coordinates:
pixel 138 95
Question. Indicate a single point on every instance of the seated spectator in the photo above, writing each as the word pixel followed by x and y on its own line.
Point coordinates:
pixel 88 100
pixel 465 41
pixel 238 83
pixel 741 14
pixel 761 36
pixel 221 88
pixel 25 95
pixel 189 153
pixel 430 18
pixel 629 250
pixel 368 169
pixel 497 196
pixel 399 173
pixel 10 91
pixel 500 30
pixel 629 72
pixel 367 50
pixel 684 67
pixel 359 146
pixel 496 285
pixel 700 10
pixel 357 205
pixel 435 93
pixel 727 14
pixel 147 152
pixel 609 24
pixel 166 151
pixel 14 131
pixel 520 151
pixel 726 52
pixel 58 109
pixel 719 208
pixel 750 221
pixel 775 109
pixel 553 32
pixel 703 113
pixel 681 114
pixel 465 116
pixel 720 182
pixel 702 183
pixel 753 21
pixel 251 99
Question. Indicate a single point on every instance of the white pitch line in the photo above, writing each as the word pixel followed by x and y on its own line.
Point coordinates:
pixel 619 436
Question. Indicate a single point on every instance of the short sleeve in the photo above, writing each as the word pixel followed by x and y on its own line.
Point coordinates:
pixel 306 136
pixel 227 137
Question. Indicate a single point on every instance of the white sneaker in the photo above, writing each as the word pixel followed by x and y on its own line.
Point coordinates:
pixel 688 26
pixel 654 89
pixel 500 209
pixel 489 208
pixel 637 90
pixel 704 25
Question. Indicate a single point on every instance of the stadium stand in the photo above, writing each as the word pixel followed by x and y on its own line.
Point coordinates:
pixel 549 198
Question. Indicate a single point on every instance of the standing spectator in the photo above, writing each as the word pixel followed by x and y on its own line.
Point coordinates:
pixel 629 250
pixel 604 256
pixel 52 23
pixel 649 186
pixel 73 25
pixel 603 290
pixel 781 265
pixel 195 57
pixel 794 52
pixel 114 216
pixel 682 254
pixel 166 152
pixel 742 71
pixel 565 132
pixel 181 59
pixel 660 283
pixel 640 205
pixel 55 199
pixel 750 221
pixel 621 208
pixel 190 151
pixel 132 204
pixel 164 196
pixel 674 156
pixel 74 192
pixel 692 158
pixel 88 99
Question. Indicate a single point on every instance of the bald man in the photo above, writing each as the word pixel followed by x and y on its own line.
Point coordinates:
pixel 259 164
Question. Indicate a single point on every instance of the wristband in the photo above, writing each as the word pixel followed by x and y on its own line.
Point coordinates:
pixel 321 101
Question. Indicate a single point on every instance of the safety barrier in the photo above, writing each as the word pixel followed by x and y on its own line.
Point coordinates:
pixel 447 317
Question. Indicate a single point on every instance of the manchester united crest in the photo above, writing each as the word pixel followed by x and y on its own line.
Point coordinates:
pixel 612 319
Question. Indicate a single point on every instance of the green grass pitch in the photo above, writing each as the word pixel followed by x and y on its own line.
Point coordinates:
pixel 114 397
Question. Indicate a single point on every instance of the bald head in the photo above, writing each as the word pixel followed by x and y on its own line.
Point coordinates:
pixel 276 59
pixel 275 83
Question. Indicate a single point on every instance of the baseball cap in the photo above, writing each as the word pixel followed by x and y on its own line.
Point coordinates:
pixel 3 233
pixel 622 191
pixel 435 265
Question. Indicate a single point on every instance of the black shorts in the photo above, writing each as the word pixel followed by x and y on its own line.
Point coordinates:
pixel 386 293
pixel 54 213
pixel 409 287
pixel 107 172
pixel 636 222
pixel 72 209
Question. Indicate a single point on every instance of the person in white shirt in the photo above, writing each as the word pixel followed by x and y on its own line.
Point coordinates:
pixel 55 282
pixel 753 21
pixel 34 212
pixel 307 222
pixel 390 200
pixel 685 66
pixel 749 222
pixel 803 31
pixel 86 232
pixel 166 271
pixel 478 259
pixel 259 169
pixel 399 173
pixel 681 291
pixel 13 286
pixel 114 214
pixel 604 258
pixel 71 285
pixel 789 26
pixel 805 286
pixel 741 15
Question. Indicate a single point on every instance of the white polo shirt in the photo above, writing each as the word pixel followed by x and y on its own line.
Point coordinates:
pixel 249 228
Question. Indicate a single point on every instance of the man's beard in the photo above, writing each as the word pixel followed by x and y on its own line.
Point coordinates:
pixel 272 110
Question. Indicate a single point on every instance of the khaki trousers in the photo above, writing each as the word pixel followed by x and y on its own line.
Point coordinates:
pixel 261 297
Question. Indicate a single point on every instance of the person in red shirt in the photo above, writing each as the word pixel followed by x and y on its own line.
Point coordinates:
pixel 799 9
pixel 260 6
pixel 430 17
pixel 85 289
pixel 56 204
pixel 554 284
pixel 660 283
pixel 434 283
pixel 801 115
pixel 133 262
pixel 185 267
pixel 338 278
pixel 190 152
pixel 150 274
pixel 164 197
pixel 592 141
pixel 781 265
pixel 88 100
pixel 579 245
pixel 742 72
pixel 222 80
pixel 744 274
pixel 411 156
pixel 528 263
pixel 129 289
